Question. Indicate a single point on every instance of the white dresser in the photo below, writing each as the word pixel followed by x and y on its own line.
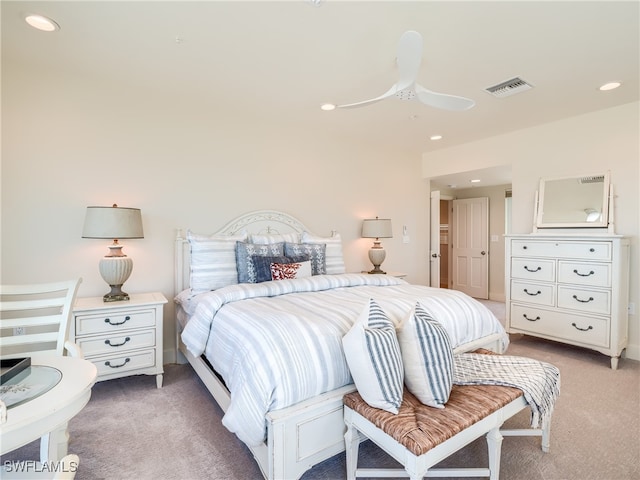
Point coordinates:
pixel 569 288
pixel 121 338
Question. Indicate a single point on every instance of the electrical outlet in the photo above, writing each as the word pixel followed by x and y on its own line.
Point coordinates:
pixel 631 309
pixel 18 331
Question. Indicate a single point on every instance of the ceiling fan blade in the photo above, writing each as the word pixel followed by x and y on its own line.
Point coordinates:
pixel 443 100
pixel 409 58
pixel 392 91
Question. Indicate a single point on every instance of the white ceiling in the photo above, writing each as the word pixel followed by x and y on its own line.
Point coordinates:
pixel 279 61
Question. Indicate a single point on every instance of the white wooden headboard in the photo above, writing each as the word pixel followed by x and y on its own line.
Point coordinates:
pixel 258 222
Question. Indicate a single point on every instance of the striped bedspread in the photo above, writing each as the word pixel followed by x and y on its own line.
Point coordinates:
pixel 279 343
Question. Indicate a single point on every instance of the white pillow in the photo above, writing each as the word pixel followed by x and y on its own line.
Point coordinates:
pixel 373 355
pixel 275 238
pixel 333 254
pixel 427 357
pixel 213 261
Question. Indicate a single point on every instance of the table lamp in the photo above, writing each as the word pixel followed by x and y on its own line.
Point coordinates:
pixel 114 223
pixel 376 228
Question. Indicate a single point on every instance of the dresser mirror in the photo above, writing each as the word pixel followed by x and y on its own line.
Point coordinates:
pixel 573 202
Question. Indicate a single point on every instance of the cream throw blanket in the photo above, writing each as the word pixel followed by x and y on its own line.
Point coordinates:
pixel 539 381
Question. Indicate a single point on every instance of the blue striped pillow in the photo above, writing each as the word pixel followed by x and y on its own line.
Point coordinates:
pixel 373 355
pixel 427 357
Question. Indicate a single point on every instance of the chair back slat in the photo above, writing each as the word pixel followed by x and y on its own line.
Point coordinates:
pixel 43 311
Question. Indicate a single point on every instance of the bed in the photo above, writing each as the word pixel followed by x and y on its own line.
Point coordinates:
pixel 270 353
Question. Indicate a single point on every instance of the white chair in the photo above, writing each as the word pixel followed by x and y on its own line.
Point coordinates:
pixel 65 469
pixel 37 318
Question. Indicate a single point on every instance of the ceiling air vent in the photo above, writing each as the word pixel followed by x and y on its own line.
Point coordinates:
pixel 508 88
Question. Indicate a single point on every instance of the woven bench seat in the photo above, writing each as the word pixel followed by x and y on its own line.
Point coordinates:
pixel 420 436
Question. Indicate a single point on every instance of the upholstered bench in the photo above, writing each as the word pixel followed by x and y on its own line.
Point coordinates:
pixel 420 436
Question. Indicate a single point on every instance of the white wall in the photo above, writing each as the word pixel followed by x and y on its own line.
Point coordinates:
pixel 70 142
pixel 604 140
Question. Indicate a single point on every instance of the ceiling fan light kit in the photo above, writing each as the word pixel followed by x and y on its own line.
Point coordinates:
pixel 409 58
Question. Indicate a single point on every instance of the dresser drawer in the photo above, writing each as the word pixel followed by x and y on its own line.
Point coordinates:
pixel 105 344
pixel 566 249
pixel 124 362
pixel 530 292
pixel 114 321
pixel 585 300
pixel 533 269
pixel 589 274
pixel 564 326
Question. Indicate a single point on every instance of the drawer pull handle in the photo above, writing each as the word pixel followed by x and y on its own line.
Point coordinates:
pixel 530 319
pixel 592 250
pixel 524 247
pixel 532 294
pixel 108 320
pixel 126 360
pixel 584 274
pixel 583 301
pixel 532 270
pixel 108 342
pixel 582 329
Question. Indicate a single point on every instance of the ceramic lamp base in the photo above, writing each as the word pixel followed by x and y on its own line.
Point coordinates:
pixel 115 271
pixel 377 256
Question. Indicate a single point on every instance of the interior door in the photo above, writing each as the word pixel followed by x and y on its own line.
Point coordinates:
pixel 434 264
pixel 470 246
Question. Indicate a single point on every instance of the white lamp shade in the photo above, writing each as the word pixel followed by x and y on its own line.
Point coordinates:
pixel 112 222
pixel 376 228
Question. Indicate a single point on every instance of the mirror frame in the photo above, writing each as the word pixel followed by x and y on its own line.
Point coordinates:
pixel 540 201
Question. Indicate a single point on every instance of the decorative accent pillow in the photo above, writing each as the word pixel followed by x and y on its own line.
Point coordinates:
pixel 275 238
pixel 373 355
pixel 315 251
pixel 262 265
pixel 244 262
pixel 334 259
pixel 283 271
pixel 213 261
pixel 427 357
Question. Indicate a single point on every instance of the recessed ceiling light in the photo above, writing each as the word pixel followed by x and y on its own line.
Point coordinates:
pixel 435 137
pixel 475 180
pixel 328 107
pixel 42 23
pixel 610 86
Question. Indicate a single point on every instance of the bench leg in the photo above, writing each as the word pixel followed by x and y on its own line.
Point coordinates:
pixel 352 444
pixel 494 443
pixel 546 435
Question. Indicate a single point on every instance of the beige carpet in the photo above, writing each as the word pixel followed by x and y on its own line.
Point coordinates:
pixel 131 430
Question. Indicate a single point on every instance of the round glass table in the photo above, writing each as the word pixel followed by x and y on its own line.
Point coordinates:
pixel 29 384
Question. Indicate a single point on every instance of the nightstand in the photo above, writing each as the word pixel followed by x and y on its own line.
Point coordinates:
pixel 121 338
pixel 393 274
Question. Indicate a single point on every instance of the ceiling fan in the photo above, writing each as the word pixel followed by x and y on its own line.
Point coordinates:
pixel 408 60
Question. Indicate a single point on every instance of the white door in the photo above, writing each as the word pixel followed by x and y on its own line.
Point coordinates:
pixel 470 246
pixel 434 254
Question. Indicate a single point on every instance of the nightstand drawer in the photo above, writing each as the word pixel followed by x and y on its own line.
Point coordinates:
pixel 110 364
pixel 114 321
pixel 106 344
